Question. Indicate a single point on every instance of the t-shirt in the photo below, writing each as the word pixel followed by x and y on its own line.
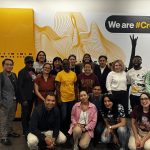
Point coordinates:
pixel 87 83
pixel 45 86
pixel 38 67
pixel 67 80
pixel 144 124
pixel 137 80
pixel 110 116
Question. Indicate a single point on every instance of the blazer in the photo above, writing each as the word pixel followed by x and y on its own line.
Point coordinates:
pixel 92 118
pixel 102 77
pixel 7 91
pixel 25 85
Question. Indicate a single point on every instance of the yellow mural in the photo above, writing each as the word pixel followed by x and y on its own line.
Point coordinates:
pixel 70 35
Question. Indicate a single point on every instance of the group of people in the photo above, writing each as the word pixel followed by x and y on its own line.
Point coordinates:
pixel 81 101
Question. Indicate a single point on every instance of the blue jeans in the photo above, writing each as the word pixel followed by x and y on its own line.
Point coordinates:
pixel 122 133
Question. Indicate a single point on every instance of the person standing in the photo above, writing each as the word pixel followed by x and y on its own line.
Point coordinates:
pixel 8 100
pixel 66 93
pixel 26 79
pixel 136 78
pixel 101 71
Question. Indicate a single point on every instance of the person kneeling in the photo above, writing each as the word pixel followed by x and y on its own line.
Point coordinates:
pixel 84 118
pixel 45 125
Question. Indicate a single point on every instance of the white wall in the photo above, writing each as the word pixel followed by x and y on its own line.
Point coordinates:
pixel 92 10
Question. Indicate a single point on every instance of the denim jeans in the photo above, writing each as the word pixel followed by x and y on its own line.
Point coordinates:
pixel 122 133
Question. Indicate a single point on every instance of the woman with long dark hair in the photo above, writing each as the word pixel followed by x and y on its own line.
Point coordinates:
pixel 140 124
pixel 115 122
pixel 40 60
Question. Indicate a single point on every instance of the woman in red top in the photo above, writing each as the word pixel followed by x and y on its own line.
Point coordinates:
pixel 44 83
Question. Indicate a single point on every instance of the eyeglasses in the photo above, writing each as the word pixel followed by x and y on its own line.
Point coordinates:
pixel 146 98
pixel 8 64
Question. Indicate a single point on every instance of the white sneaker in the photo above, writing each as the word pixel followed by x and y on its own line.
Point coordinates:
pixel 75 147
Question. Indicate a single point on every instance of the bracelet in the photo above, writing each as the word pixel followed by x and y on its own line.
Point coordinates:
pixel 110 127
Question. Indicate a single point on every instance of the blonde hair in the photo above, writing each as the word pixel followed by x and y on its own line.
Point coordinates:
pixel 119 62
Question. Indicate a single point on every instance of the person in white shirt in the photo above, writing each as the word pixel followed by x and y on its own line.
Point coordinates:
pixel 116 84
pixel 136 78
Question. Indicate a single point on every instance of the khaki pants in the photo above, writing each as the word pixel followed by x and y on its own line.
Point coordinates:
pixel 131 143
pixel 33 141
pixel 84 137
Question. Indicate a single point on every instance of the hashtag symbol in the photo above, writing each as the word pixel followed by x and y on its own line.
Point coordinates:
pixel 138 24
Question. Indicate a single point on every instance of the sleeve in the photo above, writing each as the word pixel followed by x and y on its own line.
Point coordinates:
pixel 58 77
pixel 0 87
pixel 73 114
pixel 75 78
pixel 56 124
pixel 134 113
pixel 37 80
pixel 128 77
pixel 121 112
pixel 109 81
pixel 20 85
pixel 91 125
pixel 147 82
pixel 34 126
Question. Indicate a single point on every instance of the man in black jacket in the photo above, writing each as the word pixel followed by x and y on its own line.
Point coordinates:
pixel 26 86
pixel 45 126
pixel 101 71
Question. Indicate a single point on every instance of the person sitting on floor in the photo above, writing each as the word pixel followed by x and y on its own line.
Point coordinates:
pixel 45 126
pixel 84 118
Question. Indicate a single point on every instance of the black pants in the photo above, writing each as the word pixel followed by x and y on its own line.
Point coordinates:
pixel 134 101
pixel 65 110
pixel 121 97
pixel 25 115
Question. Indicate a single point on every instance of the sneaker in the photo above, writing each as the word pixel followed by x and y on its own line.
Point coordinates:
pixel 75 147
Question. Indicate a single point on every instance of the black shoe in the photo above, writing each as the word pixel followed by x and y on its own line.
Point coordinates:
pixel 13 134
pixel 6 142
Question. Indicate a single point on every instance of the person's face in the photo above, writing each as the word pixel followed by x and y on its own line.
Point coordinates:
pixel 41 57
pixel 8 66
pixel 97 91
pixel 137 62
pixel 118 67
pixel 108 104
pixel 145 101
pixel 66 65
pixel 88 69
pixel 46 69
pixel 83 97
pixel 29 64
pixel 102 62
pixel 86 58
pixel 50 102
pixel 72 61
pixel 57 63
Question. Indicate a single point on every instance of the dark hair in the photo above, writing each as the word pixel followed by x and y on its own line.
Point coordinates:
pixel 86 54
pixel 72 55
pixel 102 56
pixel 50 93
pixel 38 55
pixel 88 63
pixel 114 107
pixel 97 84
pixel 137 56
pixel 3 62
pixel 55 59
pixel 140 108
